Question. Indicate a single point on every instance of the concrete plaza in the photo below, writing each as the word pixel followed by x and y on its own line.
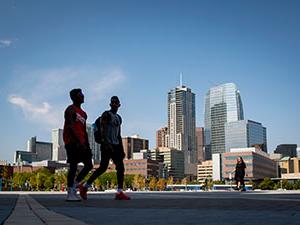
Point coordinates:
pixel 159 208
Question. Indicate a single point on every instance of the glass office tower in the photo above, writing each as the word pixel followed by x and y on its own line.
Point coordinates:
pixel 245 133
pixel 222 104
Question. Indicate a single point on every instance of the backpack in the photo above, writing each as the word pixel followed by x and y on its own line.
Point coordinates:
pixel 97 130
pixel 97 127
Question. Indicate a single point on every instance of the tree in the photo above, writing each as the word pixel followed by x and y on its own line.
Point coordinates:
pixel 161 184
pixel 287 185
pixel 297 185
pixel 152 184
pixel 135 183
pixel 170 180
pixel 60 179
pixel 128 180
pixel 139 182
pixel 266 184
pixel 184 181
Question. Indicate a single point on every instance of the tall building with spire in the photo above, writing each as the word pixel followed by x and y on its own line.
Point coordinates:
pixel 182 125
pixel 222 104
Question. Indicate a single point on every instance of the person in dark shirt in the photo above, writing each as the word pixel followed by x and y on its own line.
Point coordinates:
pixel 240 173
pixel 111 148
pixel 76 143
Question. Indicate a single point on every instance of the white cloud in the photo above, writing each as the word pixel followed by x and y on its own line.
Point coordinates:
pixel 53 85
pixel 5 43
pixel 41 114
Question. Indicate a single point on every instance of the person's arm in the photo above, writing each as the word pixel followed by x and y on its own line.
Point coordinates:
pixel 86 138
pixel 120 139
pixel 104 127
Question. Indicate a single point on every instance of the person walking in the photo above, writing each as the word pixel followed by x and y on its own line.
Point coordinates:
pixel 76 143
pixel 111 148
pixel 240 174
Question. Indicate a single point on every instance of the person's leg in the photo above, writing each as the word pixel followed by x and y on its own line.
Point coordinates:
pixel 88 165
pixel 242 183
pixel 71 195
pixel 237 183
pixel 71 174
pixel 117 158
pixel 105 157
pixel 118 161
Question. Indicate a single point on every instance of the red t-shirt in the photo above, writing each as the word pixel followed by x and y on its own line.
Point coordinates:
pixel 78 117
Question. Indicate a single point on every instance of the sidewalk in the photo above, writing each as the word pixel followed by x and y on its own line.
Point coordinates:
pixel 155 208
pixel 29 212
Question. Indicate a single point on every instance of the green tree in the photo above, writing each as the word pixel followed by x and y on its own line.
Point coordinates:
pixel 266 184
pixel 297 185
pixel 287 185
pixel 60 179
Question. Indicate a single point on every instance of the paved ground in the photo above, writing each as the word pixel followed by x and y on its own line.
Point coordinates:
pixel 181 208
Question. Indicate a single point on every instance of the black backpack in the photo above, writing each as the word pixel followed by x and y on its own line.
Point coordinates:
pixel 97 130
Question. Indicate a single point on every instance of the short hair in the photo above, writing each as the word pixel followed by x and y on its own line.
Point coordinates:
pixel 74 92
pixel 114 98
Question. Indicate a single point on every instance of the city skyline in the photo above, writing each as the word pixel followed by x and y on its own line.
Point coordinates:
pixel 137 51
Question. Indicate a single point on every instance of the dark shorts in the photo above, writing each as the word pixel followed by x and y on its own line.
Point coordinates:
pixel 76 154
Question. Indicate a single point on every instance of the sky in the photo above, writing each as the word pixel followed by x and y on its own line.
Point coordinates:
pixel 136 50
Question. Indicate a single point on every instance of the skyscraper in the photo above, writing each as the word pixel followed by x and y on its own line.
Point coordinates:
pixel 245 133
pixel 181 126
pixel 161 137
pixel 200 143
pixel 222 104
pixel 58 145
pixel 93 145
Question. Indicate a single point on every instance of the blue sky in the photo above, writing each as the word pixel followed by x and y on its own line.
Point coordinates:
pixel 137 49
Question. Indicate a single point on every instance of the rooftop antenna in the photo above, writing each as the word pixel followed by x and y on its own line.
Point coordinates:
pixel 180 79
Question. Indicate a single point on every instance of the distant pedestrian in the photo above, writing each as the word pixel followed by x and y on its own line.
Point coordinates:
pixel 76 143
pixel 111 148
pixel 240 174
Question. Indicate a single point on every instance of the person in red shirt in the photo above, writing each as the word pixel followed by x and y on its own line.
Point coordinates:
pixel 76 143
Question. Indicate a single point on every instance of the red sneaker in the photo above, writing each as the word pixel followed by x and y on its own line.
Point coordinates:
pixel 122 196
pixel 83 191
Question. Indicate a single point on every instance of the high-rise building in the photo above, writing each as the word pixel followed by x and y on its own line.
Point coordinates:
pixel 200 143
pixel 95 147
pixel 287 150
pixel 222 104
pixel 58 145
pixel 134 144
pixel 173 161
pixel 43 150
pixel 161 137
pixel 182 126
pixel 245 133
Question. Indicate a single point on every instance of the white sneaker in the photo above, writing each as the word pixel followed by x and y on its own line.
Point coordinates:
pixel 72 195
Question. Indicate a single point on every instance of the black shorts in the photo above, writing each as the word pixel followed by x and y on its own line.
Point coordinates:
pixel 75 154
